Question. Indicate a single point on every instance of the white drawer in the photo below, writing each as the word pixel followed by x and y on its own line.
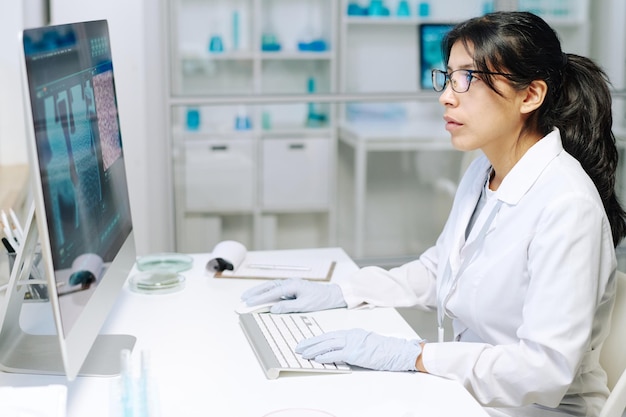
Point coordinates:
pixel 220 175
pixel 295 173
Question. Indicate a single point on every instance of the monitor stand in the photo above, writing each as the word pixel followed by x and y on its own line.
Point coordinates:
pixel 21 352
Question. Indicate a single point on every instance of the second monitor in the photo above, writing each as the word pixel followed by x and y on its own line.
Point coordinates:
pixel 430 53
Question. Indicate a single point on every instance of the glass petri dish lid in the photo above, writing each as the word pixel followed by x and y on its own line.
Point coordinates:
pixel 170 262
pixel 157 282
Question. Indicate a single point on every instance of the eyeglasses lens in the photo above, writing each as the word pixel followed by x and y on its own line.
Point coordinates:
pixel 460 80
pixel 439 80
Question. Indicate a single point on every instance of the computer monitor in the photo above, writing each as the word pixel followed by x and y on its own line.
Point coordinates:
pixel 80 220
pixel 430 53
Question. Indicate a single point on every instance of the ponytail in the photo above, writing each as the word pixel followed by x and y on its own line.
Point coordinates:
pixel 582 112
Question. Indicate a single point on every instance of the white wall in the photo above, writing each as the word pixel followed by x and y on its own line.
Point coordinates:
pixel 608 37
pixel 14 16
pixel 608 48
pixel 12 137
pixel 136 39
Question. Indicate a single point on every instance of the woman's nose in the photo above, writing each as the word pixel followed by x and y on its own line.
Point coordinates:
pixel 447 96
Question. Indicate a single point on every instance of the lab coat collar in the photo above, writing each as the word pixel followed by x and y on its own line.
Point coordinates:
pixel 526 171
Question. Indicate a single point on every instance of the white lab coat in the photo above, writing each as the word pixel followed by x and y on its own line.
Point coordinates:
pixel 531 309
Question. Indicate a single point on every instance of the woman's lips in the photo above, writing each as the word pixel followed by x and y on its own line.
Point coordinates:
pixel 451 124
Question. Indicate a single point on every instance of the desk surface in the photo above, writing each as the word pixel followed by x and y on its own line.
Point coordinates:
pixel 203 364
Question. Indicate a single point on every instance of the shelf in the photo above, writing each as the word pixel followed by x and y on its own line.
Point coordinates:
pixel 218 56
pixel 322 210
pixel 391 20
pixel 249 55
pixel 291 131
pixel 571 21
pixel 297 55
pixel 200 135
pixel 181 134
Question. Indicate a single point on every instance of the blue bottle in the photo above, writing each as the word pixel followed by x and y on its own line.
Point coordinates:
pixel 215 44
pixel 423 9
pixel 193 118
pixel 403 9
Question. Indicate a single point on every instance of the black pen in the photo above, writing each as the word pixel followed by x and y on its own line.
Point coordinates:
pixel 7 245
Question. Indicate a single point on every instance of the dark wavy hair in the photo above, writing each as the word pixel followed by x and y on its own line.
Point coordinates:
pixel 577 102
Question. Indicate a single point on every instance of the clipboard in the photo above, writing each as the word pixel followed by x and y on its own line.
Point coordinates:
pixel 279 271
pixel 232 260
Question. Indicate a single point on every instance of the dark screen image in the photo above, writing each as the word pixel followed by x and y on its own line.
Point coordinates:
pixel 431 56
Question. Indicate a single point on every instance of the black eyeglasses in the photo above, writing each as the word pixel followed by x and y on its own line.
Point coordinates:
pixel 460 80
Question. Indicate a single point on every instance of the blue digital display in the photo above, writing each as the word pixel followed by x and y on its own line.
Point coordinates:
pixel 431 57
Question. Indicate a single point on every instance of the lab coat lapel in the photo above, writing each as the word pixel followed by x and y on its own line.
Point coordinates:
pixel 446 283
pixel 465 215
pixel 486 215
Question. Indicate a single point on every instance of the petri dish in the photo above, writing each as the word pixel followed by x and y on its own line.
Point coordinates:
pixel 157 282
pixel 170 262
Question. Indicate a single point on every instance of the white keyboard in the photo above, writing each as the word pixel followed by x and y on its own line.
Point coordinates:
pixel 273 338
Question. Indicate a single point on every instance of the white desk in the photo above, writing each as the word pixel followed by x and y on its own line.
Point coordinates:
pixel 204 365
pixel 423 135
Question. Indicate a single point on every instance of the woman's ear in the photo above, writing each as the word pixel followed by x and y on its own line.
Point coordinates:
pixel 535 93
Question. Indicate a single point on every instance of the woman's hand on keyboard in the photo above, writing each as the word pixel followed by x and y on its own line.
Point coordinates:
pixel 295 295
pixel 362 348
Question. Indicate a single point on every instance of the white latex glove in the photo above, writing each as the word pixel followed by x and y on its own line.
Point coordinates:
pixel 295 295
pixel 362 348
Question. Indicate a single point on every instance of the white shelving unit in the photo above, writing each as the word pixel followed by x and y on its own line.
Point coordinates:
pixel 263 172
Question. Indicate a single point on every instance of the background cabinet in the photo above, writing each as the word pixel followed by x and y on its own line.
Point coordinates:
pixel 219 175
pixel 295 174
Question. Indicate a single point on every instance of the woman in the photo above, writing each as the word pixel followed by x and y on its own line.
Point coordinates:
pixel 525 264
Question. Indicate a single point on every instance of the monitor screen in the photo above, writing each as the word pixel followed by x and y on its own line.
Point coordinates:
pixel 80 192
pixel 430 53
